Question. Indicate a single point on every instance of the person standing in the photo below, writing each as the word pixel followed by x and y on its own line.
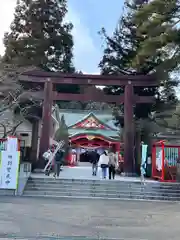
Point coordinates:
pixel 103 163
pixel 49 161
pixel 58 162
pixel 94 158
pixel 143 172
pixel 112 165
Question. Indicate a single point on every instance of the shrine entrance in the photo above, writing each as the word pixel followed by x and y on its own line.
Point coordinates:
pixel 85 144
pixel 84 157
pixel 91 93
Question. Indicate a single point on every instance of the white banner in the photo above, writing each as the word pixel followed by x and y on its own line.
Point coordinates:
pixel 144 154
pixel 143 159
pixel 9 169
pixel 12 144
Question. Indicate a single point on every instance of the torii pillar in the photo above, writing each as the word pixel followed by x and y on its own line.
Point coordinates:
pixel 129 165
pixel 46 121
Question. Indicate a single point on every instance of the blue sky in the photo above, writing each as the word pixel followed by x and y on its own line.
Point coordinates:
pixel 88 17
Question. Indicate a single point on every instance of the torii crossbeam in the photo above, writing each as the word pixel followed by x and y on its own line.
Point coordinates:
pixel 128 98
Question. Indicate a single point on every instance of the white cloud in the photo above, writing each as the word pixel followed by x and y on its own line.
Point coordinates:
pixel 6 17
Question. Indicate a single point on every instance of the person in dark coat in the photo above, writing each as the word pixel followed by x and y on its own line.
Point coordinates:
pixel 94 158
pixel 58 162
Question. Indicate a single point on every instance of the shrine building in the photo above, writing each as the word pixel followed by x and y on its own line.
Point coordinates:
pixel 91 130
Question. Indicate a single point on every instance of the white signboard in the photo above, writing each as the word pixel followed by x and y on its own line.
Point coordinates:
pixel 12 144
pixel 9 169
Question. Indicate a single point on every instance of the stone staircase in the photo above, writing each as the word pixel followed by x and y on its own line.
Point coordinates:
pixel 101 189
pixel 7 192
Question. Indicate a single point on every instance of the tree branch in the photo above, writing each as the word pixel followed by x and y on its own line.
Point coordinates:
pixel 14 96
pixel 13 130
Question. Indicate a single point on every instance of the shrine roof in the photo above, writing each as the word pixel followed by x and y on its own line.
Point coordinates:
pixel 76 119
pixel 106 134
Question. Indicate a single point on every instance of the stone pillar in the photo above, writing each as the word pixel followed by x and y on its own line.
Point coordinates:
pixel 46 121
pixel 34 141
pixel 128 130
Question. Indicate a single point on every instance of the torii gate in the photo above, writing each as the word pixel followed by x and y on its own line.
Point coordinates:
pixel 128 98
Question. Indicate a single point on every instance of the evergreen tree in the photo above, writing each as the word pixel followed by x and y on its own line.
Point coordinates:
pixel 121 53
pixel 62 134
pixel 158 22
pixel 39 36
pixel 62 131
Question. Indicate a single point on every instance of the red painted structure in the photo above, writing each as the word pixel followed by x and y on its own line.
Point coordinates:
pixel 128 98
pixel 93 141
pixel 90 138
pixel 164 165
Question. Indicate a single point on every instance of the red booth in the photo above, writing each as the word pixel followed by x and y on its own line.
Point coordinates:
pixel 164 161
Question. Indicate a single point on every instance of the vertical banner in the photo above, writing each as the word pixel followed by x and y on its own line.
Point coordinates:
pixel 12 144
pixel 144 154
pixel 159 158
pixel 9 169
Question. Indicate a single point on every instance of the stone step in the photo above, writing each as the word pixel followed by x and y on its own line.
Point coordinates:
pixel 103 182
pixel 96 190
pixel 102 189
pixel 7 192
pixel 104 192
pixel 105 186
pixel 137 196
pixel 95 182
pixel 89 186
pixel 85 186
pixel 101 198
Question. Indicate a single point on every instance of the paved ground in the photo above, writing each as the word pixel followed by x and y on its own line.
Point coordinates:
pixel 85 172
pixel 29 218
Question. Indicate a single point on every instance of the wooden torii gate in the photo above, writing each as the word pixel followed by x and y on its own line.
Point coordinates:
pixel 128 98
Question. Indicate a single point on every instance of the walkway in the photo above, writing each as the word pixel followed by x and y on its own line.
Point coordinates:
pixel 49 219
pixel 84 171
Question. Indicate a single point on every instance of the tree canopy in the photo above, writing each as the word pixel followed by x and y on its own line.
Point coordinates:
pixel 158 22
pixel 39 36
pixel 62 134
pixel 142 44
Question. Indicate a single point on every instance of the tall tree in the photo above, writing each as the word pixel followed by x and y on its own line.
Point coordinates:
pixel 120 57
pixel 62 134
pixel 158 22
pixel 39 36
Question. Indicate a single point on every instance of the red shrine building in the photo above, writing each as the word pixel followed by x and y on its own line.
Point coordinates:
pixel 91 130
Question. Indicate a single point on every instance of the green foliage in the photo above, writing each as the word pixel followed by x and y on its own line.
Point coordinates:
pixel 62 133
pixel 39 36
pixel 157 22
pixel 169 120
pixel 134 50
